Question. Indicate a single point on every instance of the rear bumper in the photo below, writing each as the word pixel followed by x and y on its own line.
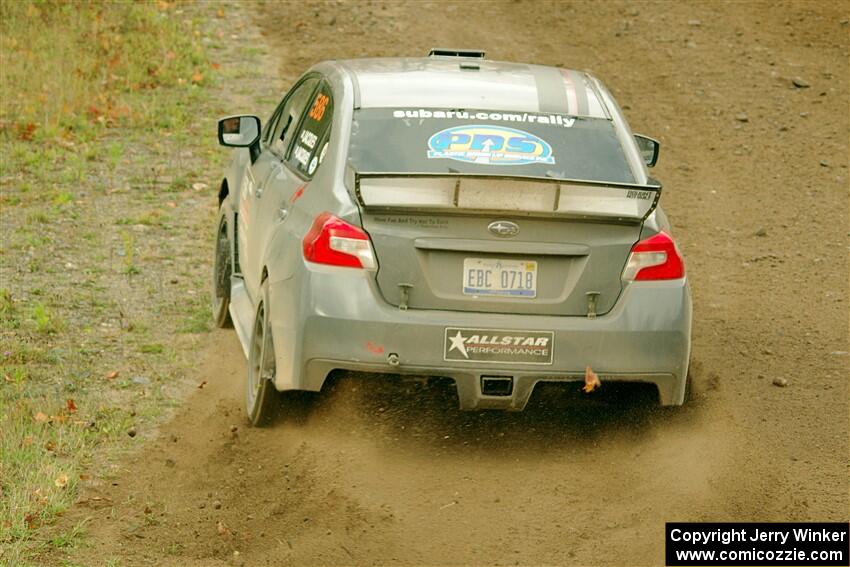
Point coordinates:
pixel 333 318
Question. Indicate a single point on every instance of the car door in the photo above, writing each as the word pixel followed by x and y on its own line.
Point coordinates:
pixel 288 181
pixel 257 210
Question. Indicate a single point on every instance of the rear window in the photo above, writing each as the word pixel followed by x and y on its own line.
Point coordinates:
pixel 387 140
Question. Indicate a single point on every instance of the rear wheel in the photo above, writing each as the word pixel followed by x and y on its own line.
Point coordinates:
pixel 222 269
pixel 261 398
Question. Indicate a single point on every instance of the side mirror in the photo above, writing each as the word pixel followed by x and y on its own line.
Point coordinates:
pixel 239 131
pixel 648 149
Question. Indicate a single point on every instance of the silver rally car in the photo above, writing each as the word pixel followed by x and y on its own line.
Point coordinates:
pixel 448 216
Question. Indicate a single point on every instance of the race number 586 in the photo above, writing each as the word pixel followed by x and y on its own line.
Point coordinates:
pixel 319 106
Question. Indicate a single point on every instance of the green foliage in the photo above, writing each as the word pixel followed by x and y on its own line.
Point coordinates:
pixel 7 307
pixel 45 321
pixel 71 69
pixel 154 348
pixel 85 87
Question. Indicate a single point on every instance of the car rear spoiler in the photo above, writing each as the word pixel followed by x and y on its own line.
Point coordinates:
pixel 526 196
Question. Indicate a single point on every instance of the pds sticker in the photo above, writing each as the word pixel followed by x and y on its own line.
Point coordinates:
pixel 489 145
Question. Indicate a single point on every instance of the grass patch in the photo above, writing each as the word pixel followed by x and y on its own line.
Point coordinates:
pixel 71 69
pixel 155 348
pixel 95 94
pixel 197 317
pixel 45 321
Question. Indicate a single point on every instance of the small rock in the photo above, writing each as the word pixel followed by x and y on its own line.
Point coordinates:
pixel 804 115
pixel 216 505
pixel 761 232
pixel 332 21
pixel 233 429
pixel 202 505
pixel 742 117
pixel 694 23
pixel 170 462
pixel 800 83
pixel 824 163
pixel 783 128
pixel 131 432
pixel 781 382
pixel 140 380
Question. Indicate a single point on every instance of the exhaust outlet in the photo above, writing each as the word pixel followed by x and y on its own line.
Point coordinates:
pixel 497 385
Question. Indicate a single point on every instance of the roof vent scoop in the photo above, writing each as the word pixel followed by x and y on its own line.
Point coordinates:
pixel 467 53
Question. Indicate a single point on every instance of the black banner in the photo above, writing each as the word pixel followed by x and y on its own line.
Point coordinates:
pixel 742 543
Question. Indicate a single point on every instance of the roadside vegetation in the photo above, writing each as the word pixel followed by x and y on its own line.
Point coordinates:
pixel 105 208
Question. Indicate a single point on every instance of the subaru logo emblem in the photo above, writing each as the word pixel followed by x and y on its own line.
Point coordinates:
pixel 503 228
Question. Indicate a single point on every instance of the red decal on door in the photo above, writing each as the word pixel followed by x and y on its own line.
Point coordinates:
pixel 297 194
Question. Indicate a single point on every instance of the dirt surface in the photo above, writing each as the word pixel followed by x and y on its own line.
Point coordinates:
pixel 386 472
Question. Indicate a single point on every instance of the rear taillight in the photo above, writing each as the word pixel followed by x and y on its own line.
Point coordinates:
pixel 334 242
pixel 655 258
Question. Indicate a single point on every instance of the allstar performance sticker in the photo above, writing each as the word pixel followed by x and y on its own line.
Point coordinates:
pixel 498 346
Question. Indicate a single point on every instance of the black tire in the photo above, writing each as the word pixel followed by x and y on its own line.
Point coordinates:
pixel 261 397
pixel 222 269
pixel 689 384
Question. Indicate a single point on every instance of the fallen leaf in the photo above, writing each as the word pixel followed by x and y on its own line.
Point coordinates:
pixel 72 407
pixel 84 477
pixel 215 65
pixel 40 417
pixel 26 131
pixel 112 375
pixel 591 380
pixel 202 385
pixel 30 521
pixel 50 446
pixel 197 77
pixel 221 528
pixel 61 481
pixel 26 441
pixel 220 13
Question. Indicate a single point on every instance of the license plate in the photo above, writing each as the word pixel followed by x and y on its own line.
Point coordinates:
pixel 508 278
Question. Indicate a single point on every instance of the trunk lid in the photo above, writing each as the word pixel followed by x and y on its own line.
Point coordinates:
pixel 501 244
